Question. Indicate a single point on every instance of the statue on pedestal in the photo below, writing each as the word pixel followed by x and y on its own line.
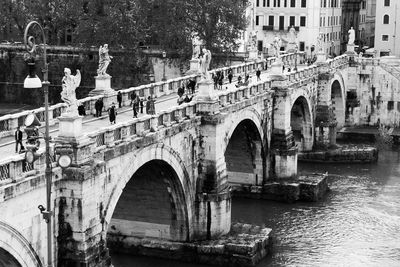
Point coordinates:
pixel 69 84
pixel 319 42
pixel 196 43
pixel 205 64
pixel 252 42
pixel 277 46
pixel 104 60
pixel 352 36
pixel 292 35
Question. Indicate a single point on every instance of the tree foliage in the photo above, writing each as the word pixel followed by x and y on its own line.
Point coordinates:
pixel 130 23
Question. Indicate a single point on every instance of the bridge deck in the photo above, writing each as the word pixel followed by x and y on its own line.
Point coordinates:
pixel 91 123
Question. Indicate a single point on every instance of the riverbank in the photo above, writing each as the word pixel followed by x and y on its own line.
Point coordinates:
pixel 345 154
pixel 245 245
pixel 304 188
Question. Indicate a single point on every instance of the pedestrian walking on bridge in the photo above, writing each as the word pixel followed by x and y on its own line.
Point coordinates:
pixel 18 140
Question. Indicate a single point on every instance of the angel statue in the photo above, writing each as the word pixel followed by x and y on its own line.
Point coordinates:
pixel 104 60
pixel 69 85
pixel 277 46
pixel 205 64
pixel 196 47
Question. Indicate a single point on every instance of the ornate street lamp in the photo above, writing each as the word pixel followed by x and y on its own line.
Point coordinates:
pixel 32 81
pixel 164 55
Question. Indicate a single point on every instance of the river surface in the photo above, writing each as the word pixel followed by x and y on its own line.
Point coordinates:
pixel 357 224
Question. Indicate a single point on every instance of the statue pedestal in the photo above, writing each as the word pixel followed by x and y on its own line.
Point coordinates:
pixel 350 50
pixel 291 48
pixel 194 67
pixel 277 67
pixel 70 127
pixel 277 71
pixel 253 55
pixel 103 87
pixel 207 100
pixel 321 57
pixel 206 91
pixel 70 136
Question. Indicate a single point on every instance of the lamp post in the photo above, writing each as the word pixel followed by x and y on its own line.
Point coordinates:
pixel 246 56
pixel 32 81
pixel 295 57
pixel 164 55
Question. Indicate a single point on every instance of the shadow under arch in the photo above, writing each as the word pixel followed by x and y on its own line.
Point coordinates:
pixel 302 124
pixel 164 184
pixel 337 90
pixel 245 155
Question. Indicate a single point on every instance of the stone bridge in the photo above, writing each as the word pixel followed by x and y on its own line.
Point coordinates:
pixel 167 176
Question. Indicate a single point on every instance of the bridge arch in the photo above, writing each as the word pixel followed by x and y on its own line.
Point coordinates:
pixel 337 91
pixel 247 114
pixel 244 152
pixel 156 177
pixel 15 249
pixel 301 123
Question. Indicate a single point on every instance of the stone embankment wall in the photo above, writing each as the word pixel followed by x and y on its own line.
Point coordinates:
pixel 347 155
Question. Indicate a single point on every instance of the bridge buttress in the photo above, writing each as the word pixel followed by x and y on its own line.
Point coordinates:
pixel 284 161
pixel 325 121
pixel 213 198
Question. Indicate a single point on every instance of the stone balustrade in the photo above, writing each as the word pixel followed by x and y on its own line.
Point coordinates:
pixel 139 127
pixel 17 168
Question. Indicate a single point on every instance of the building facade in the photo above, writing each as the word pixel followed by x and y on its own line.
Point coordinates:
pixel 359 14
pixel 273 18
pixel 387 33
pixel 370 23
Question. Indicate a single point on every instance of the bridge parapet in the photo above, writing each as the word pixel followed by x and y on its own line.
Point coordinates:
pixel 16 168
pixel 135 128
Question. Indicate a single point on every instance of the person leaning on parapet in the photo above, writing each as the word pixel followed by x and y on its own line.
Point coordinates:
pixel 18 140
pixel 239 81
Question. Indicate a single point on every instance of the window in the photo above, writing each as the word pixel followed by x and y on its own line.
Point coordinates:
pixel 285 3
pixel 385 37
pixel 386 19
pixel 258 3
pixel 257 20
pixel 271 20
pixel 302 47
pixel 398 106
pixel 390 105
pixel 292 3
pixel 281 23
pixel 263 2
pixel 274 3
pixel 303 3
pixel 279 3
pixel 292 20
pixel 302 21
pixel 268 3
pixel 387 2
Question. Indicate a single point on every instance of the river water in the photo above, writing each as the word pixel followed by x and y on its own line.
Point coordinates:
pixel 357 224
